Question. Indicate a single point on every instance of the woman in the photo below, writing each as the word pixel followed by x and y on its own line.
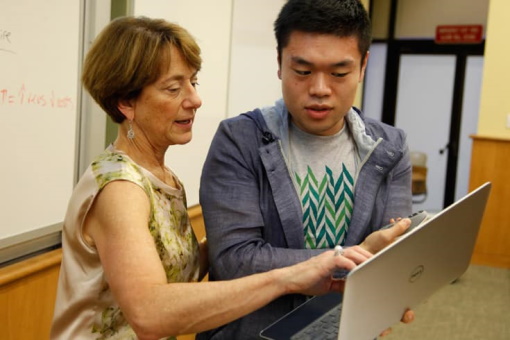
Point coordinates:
pixel 131 263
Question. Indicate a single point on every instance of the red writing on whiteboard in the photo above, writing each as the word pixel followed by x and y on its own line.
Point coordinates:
pixel 25 96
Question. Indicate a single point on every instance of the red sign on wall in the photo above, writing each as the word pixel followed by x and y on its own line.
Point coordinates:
pixel 459 34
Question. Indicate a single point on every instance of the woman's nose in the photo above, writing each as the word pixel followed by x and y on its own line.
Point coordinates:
pixel 193 101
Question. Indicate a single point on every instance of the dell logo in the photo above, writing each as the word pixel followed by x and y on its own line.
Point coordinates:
pixel 416 273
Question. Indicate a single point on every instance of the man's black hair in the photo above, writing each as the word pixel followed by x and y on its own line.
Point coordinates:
pixel 342 18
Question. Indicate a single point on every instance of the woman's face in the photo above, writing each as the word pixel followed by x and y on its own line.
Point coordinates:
pixel 165 110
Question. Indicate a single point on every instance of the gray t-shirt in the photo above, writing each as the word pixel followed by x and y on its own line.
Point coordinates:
pixel 323 169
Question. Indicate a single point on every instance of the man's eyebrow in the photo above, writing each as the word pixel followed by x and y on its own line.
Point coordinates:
pixel 302 61
pixel 344 63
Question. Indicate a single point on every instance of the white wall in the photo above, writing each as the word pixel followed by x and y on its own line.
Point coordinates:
pixel 253 79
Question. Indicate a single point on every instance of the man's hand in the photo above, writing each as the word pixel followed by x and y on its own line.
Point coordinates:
pixel 408 317
pixel 381 238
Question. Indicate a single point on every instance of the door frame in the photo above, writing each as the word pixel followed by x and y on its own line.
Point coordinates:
pixel 398 47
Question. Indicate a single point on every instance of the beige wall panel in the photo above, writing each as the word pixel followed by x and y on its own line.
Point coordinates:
pixel 418 19
pixel 495 99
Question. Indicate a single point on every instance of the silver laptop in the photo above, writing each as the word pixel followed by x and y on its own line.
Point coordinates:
pixel 399 277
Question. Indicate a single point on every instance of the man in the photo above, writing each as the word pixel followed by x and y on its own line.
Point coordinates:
pixel 284 183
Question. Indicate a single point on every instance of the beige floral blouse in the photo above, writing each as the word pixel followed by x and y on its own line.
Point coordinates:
pixel 85 307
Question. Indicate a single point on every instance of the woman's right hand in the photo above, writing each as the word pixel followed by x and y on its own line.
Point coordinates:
pixel 314 276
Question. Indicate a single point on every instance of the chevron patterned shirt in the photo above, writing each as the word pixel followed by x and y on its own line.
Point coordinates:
pixel 324 173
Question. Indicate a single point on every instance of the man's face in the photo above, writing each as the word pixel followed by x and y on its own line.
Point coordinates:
pixel 320 74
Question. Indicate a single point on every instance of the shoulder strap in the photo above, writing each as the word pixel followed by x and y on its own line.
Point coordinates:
pixel 257 117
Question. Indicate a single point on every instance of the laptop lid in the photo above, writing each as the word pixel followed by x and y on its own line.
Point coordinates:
pixel 405 273
pixel 400 276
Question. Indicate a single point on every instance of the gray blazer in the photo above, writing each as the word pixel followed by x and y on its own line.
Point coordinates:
pixel 253 215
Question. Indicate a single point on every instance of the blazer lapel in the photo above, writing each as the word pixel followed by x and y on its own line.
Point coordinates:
pixel 284 193
pixel 374 172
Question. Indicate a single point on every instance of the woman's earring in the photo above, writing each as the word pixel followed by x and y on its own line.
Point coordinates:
pixel 130 133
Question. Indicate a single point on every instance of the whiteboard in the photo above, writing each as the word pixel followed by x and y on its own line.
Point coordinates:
pixel 39 65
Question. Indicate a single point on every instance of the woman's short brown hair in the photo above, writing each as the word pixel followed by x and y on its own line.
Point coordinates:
pixel 129 54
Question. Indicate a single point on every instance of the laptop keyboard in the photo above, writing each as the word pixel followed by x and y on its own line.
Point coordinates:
pixel 325 327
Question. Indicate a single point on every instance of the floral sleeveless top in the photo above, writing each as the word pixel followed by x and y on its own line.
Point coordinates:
pixel 85 307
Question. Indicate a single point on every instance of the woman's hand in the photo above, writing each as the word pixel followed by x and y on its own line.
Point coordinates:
pixel 314 277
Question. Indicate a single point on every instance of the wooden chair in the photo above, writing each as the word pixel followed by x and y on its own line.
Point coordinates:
pixel 419 176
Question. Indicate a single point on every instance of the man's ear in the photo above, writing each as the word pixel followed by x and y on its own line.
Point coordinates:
pixel 279 61
pixel 364 63
pixel 127 108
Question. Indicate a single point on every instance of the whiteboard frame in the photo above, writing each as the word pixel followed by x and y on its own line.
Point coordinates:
pixel 90 137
